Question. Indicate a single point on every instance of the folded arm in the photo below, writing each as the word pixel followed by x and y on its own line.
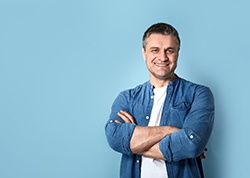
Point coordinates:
pixel 162 142
pixel 145 140
pixel 191 140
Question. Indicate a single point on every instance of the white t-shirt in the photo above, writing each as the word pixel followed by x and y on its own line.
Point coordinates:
pixel 154 167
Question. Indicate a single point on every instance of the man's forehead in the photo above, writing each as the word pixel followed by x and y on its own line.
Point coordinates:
pixel 160 39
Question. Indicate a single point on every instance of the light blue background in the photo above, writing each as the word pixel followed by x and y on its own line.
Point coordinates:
pixel 62 63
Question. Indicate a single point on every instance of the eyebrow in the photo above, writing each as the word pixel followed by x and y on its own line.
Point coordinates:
pixel 155 47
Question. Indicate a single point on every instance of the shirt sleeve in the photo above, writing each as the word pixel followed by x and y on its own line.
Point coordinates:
pixel 191 139
pixel 119 135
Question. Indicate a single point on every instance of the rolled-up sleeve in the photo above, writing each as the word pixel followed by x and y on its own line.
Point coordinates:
pixel 119 135
pixel 191 139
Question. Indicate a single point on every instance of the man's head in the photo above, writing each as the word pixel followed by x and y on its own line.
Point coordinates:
pixel 161 44
pixel 160 28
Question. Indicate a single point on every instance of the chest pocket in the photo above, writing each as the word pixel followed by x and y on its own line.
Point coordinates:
pixel 177 113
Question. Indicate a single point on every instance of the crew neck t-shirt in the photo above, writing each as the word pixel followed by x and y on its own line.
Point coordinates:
pixel 154 167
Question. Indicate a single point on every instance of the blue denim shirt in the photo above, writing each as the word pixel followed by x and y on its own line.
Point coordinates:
pixel 187 106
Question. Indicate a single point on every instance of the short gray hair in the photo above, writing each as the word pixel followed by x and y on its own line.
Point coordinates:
pixel 160 28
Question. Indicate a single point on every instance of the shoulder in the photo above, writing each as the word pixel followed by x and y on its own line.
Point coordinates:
pixel 183 83
pixel 137 89
pixel 128 96
pixel 195 91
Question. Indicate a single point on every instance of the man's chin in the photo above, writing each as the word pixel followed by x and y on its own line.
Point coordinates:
pixel 165 77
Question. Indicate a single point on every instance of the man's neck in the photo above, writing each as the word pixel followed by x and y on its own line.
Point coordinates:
pixel 158 83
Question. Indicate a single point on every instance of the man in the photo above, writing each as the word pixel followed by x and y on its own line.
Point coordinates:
pixel 162 126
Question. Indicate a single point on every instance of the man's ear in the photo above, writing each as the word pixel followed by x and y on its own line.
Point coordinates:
pixel 143 54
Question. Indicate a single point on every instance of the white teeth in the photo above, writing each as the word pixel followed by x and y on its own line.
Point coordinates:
pixel 161 65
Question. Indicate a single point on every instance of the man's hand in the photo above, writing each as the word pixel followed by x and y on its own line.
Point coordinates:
pixel 203 156
pixel 145 140
pixel 126 117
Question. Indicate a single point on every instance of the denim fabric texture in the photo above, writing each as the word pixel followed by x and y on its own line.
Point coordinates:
pixel 187 106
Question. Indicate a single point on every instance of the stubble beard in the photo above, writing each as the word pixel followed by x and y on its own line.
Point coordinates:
pixel 164 77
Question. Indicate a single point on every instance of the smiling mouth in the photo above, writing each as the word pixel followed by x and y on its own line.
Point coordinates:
pixel 161 65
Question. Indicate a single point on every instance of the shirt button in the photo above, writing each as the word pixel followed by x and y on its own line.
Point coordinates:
pixel 147 117
pixel 191 136
pixel 111 121
pixel 138 161
pixel 152 97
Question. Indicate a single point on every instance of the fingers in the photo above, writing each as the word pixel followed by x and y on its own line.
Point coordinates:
pixel 126 117
pixel 203 156
pixel 118 122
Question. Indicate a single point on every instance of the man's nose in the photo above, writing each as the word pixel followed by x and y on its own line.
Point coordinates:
pixel 163 56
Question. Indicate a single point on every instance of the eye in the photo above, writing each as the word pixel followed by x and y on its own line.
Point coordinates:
pixel 155 50
pixel 170 51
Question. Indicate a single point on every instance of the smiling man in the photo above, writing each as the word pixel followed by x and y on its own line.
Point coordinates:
pixel 161 127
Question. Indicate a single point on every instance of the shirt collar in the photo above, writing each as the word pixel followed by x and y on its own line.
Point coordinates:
pixel 172 83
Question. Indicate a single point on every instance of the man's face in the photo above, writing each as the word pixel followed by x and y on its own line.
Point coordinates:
pixel 161 54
